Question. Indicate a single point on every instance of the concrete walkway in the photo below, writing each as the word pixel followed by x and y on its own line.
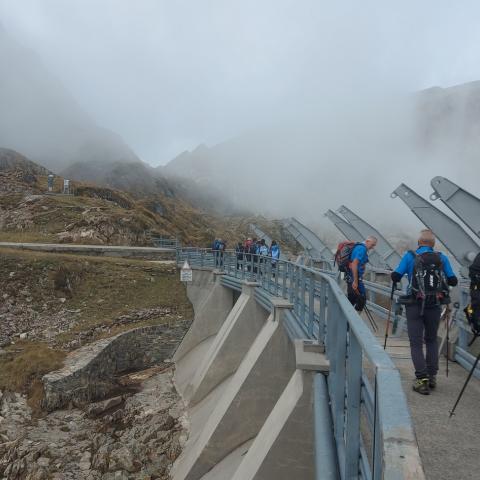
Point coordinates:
pixel 107 250
pixel 450 448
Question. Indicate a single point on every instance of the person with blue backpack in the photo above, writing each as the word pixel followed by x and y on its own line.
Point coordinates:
pixel 429 277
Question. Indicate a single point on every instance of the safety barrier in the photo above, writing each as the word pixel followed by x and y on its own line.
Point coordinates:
pixel 372 427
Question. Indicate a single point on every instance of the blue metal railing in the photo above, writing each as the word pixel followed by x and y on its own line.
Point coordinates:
pixel 165 242
pixel 362 376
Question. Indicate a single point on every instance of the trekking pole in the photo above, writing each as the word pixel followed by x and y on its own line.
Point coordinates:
pixel 371 319
pixel 475 336
pixel 389 316
pixel 452 411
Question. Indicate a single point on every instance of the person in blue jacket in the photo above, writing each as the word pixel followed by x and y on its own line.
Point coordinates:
pixel 358 260
pixel 275 254
pixel 429 275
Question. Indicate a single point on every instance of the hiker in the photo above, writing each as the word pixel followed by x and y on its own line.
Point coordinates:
pixel 429 275
pixel 255 249
pixel 275 254
pixel 222 245
pixel 357 260
pixel 239 249
pixel 247 249
pixel 472 311
pixel 262 252
pixel 215 251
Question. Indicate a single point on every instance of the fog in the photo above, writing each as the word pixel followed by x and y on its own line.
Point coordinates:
pixel 303 105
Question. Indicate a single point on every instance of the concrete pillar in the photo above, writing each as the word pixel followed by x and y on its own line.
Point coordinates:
pixel 246 402
pixel 284 448
pixel 230 346
pixel 209 318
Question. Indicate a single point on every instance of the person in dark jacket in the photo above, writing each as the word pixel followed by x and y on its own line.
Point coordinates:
pixel 222 245
pixel 423 312
pixel 248 249
pixel 472 311
pixel 239 250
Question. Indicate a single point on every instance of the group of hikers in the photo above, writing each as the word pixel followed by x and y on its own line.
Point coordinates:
pixel 249 253
pixel 430 276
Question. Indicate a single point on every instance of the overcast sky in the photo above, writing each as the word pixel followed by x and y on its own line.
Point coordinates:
pixel 168 75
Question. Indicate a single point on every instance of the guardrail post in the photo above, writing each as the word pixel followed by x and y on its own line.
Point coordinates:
pixel 377 437
pixel 284 267
pixel 352 437
pixel 291 283
pixel 303 290
pixel 323 310
pixel 311 303
pixel 340 352
pixel 325 452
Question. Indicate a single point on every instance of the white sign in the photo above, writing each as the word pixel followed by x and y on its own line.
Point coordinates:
pixel 186 274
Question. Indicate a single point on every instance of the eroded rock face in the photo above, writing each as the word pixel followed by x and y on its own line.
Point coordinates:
pixel 89 372
pixel 135 436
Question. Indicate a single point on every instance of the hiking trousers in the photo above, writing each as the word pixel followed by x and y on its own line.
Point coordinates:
pixel 423 328
pixel 358 301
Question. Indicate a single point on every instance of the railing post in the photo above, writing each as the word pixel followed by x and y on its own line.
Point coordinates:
pixel 291 283
pixel 340 371
pixel 352 436
pixel 296 305
pixel 311 303
pixel 303 290
pixel 276 272
pixel 323 310
pixel 377 437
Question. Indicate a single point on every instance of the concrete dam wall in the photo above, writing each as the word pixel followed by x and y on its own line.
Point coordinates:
pixel 249 388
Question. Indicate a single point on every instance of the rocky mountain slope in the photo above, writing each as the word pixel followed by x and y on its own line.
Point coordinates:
pixel 104 215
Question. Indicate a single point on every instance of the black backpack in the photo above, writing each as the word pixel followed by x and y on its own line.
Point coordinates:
pixel 474 272
pixel 428 280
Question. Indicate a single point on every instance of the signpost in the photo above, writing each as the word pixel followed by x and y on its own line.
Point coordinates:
pixel 186 273
pixel 50 179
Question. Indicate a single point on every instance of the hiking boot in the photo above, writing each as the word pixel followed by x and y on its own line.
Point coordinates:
pixel 432 381
pixel 421 386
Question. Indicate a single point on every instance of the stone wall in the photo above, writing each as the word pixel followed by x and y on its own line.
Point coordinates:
pixel 89 372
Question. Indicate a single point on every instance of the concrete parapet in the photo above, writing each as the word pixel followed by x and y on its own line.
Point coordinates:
pixel 245 404
pixel 88 373
pixel 209 318
pixel 231 344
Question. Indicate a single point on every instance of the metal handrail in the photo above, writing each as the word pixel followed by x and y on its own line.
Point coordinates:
pixel 362 375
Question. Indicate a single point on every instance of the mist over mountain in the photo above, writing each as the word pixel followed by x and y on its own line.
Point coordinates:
pixel 40 118
pixel 308 150
pixel 355 156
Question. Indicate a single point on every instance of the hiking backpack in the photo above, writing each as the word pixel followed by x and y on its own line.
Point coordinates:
pixel 343 255
pixel 474 272
pixel 428 280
